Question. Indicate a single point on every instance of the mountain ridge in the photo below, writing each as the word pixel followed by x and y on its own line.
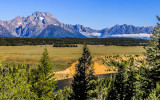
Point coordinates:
pixel 52 31
pixel 36 23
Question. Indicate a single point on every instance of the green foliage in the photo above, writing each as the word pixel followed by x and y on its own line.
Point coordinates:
pixel 130 83
pixel 19 82
pixel 153 49
pixel 14 85
pixel 45 64
pixel 153 55
pixel 102 88
pixel 155 94
pixel 133 88
pixel 64 94
pixel 84 74
pixel 119 86
pixel 41 83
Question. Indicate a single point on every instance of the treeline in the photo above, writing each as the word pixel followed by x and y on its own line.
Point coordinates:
pixel 64 45
pixel 89 41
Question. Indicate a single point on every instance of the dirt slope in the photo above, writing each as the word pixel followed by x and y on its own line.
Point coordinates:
pixel 69 72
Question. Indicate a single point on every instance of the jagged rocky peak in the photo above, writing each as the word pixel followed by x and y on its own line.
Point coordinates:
pixel 37 14
pixel 34 24
pixel 44 18
pixel 17 18
pixel 17 21
pixel 43 15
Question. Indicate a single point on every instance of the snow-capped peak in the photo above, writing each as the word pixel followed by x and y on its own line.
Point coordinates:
pixel 41 18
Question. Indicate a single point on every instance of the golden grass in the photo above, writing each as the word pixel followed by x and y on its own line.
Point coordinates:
pixel 61 56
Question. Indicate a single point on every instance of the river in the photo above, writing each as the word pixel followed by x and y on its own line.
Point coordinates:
pixel 67 82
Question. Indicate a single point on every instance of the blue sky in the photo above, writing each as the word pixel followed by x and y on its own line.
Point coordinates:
pixel 97 14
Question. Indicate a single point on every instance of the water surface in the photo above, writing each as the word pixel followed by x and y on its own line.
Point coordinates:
pixel 67 82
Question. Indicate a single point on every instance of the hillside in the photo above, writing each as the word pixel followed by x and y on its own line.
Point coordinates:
pixel 4 32
pixel 69 72
pixel 101 65
pixel 52 31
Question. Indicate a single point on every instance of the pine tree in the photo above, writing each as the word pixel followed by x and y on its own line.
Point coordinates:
pixel 121 81
pixel 153 54
pixel 41 83
pixel 152 50
pixel 84 74
pixel 15 86
pixel 131 82
pixel 45 63
pixel 118 89
pixel 64 94
pixel 155 93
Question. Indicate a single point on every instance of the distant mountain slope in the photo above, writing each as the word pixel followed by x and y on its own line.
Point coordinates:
pixel 52 31
pixel 33 25
pixel 4 32
pixel 125 31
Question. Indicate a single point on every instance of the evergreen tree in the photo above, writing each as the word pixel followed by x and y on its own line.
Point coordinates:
pixel 15 86
pixel 153 54
pixel 41 83
pixel 45 64
pixel 102 87
pixel 119 86
pixel 152 50
pixel 84 74
pixel 155 93
pixel 64 94
pixel 132 83
pixel 121 81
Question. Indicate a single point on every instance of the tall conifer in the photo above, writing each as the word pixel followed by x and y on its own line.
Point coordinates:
pixel 42 85
pixel 84 74
pixel 153 53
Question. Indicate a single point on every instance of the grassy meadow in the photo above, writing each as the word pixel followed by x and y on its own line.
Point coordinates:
pixel 61 57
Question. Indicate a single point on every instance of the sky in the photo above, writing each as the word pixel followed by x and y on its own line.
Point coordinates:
pixel 97 14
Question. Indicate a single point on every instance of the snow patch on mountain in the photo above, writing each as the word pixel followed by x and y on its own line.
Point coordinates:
pixel 56 24
pixel 43 14
pixel 41 18
pixel 19 23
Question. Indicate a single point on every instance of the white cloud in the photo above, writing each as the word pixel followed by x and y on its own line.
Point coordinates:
pixel 96 34
pixel 141 35
pixel 90 34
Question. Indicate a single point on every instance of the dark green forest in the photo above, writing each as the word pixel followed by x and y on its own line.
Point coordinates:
pixel 89 41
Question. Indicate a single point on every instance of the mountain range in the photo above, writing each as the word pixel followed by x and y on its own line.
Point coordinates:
pixel 45 25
